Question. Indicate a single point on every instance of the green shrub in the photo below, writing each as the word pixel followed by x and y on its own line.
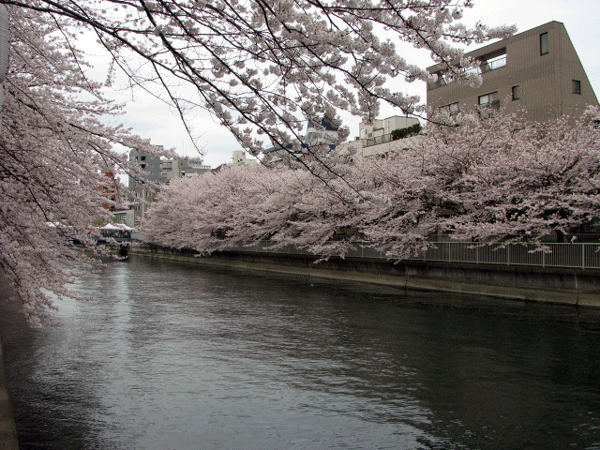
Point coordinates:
pixel 401 133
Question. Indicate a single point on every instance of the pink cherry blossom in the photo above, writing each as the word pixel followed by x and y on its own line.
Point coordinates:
pixel 262 68
pixel 490 179
pixel 55 157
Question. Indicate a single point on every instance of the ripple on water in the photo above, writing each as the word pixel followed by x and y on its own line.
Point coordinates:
pixel 180 357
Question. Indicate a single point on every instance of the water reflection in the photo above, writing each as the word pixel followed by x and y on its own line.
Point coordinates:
pixel 181 357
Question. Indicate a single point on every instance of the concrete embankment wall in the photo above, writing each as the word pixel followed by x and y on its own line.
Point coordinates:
pixel 8 429
pixel 536 284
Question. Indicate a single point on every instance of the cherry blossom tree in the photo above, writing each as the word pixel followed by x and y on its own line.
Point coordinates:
pixel 57 160
pixel 487 179
pixel 235 206
pixel 264 68
pixel 499 178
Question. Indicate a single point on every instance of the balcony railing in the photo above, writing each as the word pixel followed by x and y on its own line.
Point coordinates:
pixel 484 67
pixel 487 66
pixel 369 142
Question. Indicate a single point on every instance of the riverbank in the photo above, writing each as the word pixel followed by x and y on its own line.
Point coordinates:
pixel 8 429
pixel 575 287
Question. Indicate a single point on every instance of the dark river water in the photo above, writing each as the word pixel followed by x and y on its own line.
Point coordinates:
pixel 167 356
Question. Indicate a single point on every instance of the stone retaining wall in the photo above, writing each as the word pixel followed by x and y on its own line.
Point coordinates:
pixel 550 285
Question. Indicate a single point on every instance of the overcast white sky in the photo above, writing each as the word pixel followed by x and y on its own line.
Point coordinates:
pixel 153 120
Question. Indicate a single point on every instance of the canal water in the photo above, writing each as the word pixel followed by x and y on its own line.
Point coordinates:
pixel 165 356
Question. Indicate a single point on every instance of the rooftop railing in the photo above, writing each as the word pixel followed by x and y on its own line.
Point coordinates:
pixel 369 142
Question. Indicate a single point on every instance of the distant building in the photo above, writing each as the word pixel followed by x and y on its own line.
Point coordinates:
pixel 383 136
pixel 150 164
pixel 326 133
pixel 537 70
pixel 125 216
pixel 381 130
pixel 172 169
pixel 158 171
pixel 240 159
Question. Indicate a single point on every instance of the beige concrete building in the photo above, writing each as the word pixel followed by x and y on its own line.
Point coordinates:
pixel 359 150
pixel 380 131
pixel 240 159
pixel 537 71
pixel 172 169
pixel 377 138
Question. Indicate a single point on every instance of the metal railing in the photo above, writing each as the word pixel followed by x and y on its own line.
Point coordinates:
pixel 383 139
pixel 493 64
pixel 580 256
pixel 483 67
pixel 577 256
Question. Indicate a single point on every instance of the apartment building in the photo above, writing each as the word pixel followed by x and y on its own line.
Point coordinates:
pixel 381 129
pixel 536 71
pixel 383 136
pixel 159 171
pixel 172 169
pixel 240 159
pixel 324 134
pixel 378 137
pixel 150 164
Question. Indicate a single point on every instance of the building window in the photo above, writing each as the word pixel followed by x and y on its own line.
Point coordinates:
pixel 143 158
pixel 544 43
pixel 516 92
pixel 576 87
pixel 490 99
pixel 451 108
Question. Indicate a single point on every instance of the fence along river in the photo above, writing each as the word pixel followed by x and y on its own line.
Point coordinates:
pixel 168 356
pixel 552 254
